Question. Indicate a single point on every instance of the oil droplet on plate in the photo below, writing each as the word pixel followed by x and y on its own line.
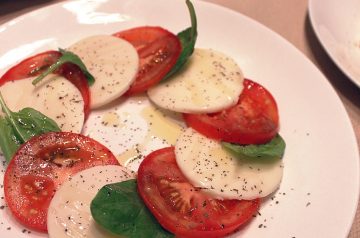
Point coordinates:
pixel 111 119
pixel 129 156
pixel 160 125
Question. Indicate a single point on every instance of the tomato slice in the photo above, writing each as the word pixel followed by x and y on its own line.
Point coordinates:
pixel 37 64
pixel 253 120
pixel 31 66
pixel 41 165
pixel 183 209
pixel 158 50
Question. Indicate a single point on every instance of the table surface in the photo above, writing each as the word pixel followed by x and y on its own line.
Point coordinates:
pixel 289 19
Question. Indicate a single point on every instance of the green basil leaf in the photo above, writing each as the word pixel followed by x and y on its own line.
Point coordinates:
pixel 28 122
pixel 187 38
pixel 67 57
pixel 18 127
pixel 119 209
pixel 271 150
pixel 9 143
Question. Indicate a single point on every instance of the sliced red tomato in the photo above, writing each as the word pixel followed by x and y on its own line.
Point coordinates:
pixel 41 165
pixel 183 209
pixel 37 64
pixel 158 50
pixel 253 120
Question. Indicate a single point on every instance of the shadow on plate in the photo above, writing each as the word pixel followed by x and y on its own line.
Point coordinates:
pixel 336 77
pixel 9 6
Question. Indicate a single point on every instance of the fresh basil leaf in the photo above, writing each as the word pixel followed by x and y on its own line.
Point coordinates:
pixel 18 127
pixel 29 122
pixel 187 38
pixel 271 150
pixel 9 143
pixel 67 57
pixel 119 209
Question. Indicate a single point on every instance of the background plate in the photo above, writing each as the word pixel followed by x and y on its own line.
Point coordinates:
pixel 337 25
pixel 319 192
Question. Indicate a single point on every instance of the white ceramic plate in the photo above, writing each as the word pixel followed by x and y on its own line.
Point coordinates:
pixel 337 25
pixel 319 192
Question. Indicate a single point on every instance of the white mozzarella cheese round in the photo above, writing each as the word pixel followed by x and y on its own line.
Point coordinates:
pixel 210 82
pixel 69 212
pixel 112 61
pixel 55 96
pixel 208 166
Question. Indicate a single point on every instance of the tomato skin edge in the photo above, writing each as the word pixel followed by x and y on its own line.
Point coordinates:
pixel 70 71
pixel 18 218
pixel 8 75
pixel 223 130
pixel 10 192
pixel 162 47
pixel 178 229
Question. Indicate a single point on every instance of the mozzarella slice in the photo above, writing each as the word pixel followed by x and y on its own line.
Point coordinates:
pixel 112 61
pixel 210 82
pixel 207 165
pixel 55 96
pixel 69 212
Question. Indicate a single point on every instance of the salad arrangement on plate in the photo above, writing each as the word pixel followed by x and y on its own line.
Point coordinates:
pixel 208 184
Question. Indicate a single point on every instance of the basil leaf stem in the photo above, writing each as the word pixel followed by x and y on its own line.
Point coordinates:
pixel 18 127
pixel 67 57
pixel 187 38
pixel 9 143
pixel 11 120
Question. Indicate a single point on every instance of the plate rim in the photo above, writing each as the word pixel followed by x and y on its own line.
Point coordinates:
pixel 275 34
pixel 326 48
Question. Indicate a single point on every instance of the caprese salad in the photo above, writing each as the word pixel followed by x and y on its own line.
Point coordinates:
pixel 208 183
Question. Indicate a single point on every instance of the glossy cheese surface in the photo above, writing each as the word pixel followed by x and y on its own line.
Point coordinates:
pixel 210 82
pixel 207 165
pixel 112 61
pixel 55 96
pixel 69 212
